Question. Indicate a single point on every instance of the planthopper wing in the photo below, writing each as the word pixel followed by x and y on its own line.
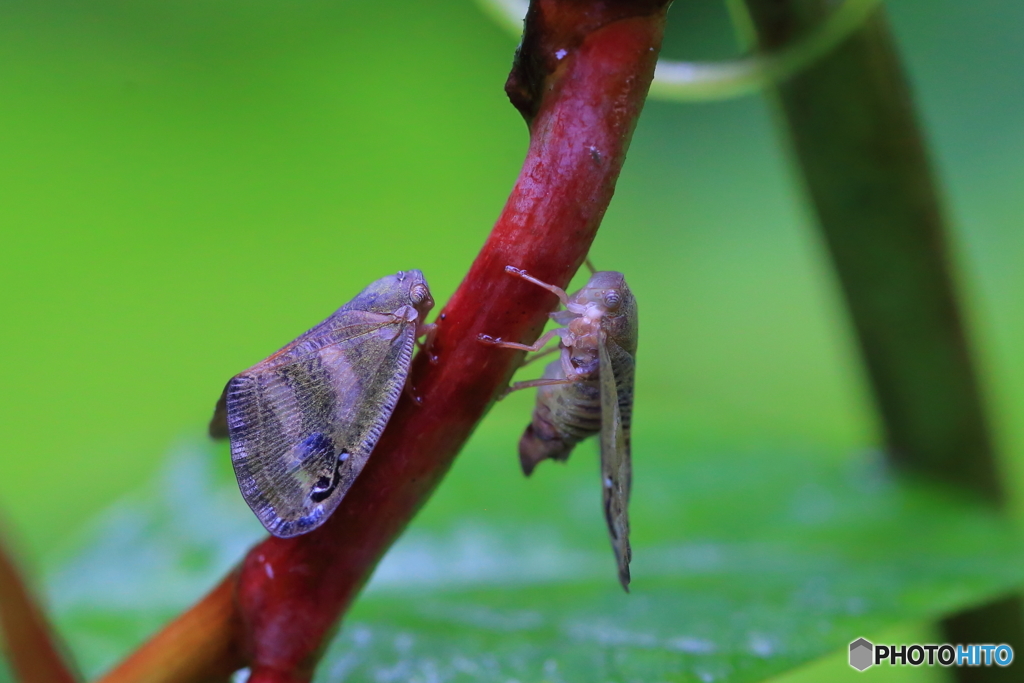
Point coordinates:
pixel 616 462
pixel 304 421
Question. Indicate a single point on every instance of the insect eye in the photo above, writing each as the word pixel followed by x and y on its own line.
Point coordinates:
pixel 418 293
pixel 611 299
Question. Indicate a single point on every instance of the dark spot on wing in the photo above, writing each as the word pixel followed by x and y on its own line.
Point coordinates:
pixel 320 493
pixel 321 446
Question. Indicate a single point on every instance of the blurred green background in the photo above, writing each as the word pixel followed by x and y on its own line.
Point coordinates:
pixel 185 187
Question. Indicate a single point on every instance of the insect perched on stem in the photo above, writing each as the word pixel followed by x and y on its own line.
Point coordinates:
pixel 304 421
pixel 589 389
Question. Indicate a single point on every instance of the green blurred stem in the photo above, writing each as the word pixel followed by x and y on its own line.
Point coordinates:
pixel 851 122
pixel 710 81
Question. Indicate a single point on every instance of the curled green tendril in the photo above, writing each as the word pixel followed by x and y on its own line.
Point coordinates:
pixel 708 81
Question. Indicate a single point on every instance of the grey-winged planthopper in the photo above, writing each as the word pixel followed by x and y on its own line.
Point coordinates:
pixel 588 390
pixel 303 422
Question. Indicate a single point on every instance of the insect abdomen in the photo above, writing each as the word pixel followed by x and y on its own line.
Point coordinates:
pixel 565 415
pixel 568 413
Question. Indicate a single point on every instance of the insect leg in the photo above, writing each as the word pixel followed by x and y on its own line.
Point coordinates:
pixel 540 354
pixel 529 384
pixel 590 265
pixel 429 332
pixel 410 391
pixel 536 346
pixel 557 291
pixel 570 372
pixel 568 369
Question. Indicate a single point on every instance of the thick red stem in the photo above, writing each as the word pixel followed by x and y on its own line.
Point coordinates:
pixel 580 79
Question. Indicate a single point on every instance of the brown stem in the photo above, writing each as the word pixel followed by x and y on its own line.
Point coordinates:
pixel 850 118
pixel 200 645
pixel 580 79
pixel 34 653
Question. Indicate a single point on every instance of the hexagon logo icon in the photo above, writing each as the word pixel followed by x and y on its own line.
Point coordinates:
pixel 861 652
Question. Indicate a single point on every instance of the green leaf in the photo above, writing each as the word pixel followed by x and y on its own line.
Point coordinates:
pixel 745 565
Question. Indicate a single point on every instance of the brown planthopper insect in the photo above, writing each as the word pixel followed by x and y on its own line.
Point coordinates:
pixel 304 421
pixel 589 389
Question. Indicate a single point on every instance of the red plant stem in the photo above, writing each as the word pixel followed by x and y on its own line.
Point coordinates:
pixel 26 639
pixel 580 79
pixel 200 645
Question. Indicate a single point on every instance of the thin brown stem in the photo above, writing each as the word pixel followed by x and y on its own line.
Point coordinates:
pixel 33 650
pixel 201 645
